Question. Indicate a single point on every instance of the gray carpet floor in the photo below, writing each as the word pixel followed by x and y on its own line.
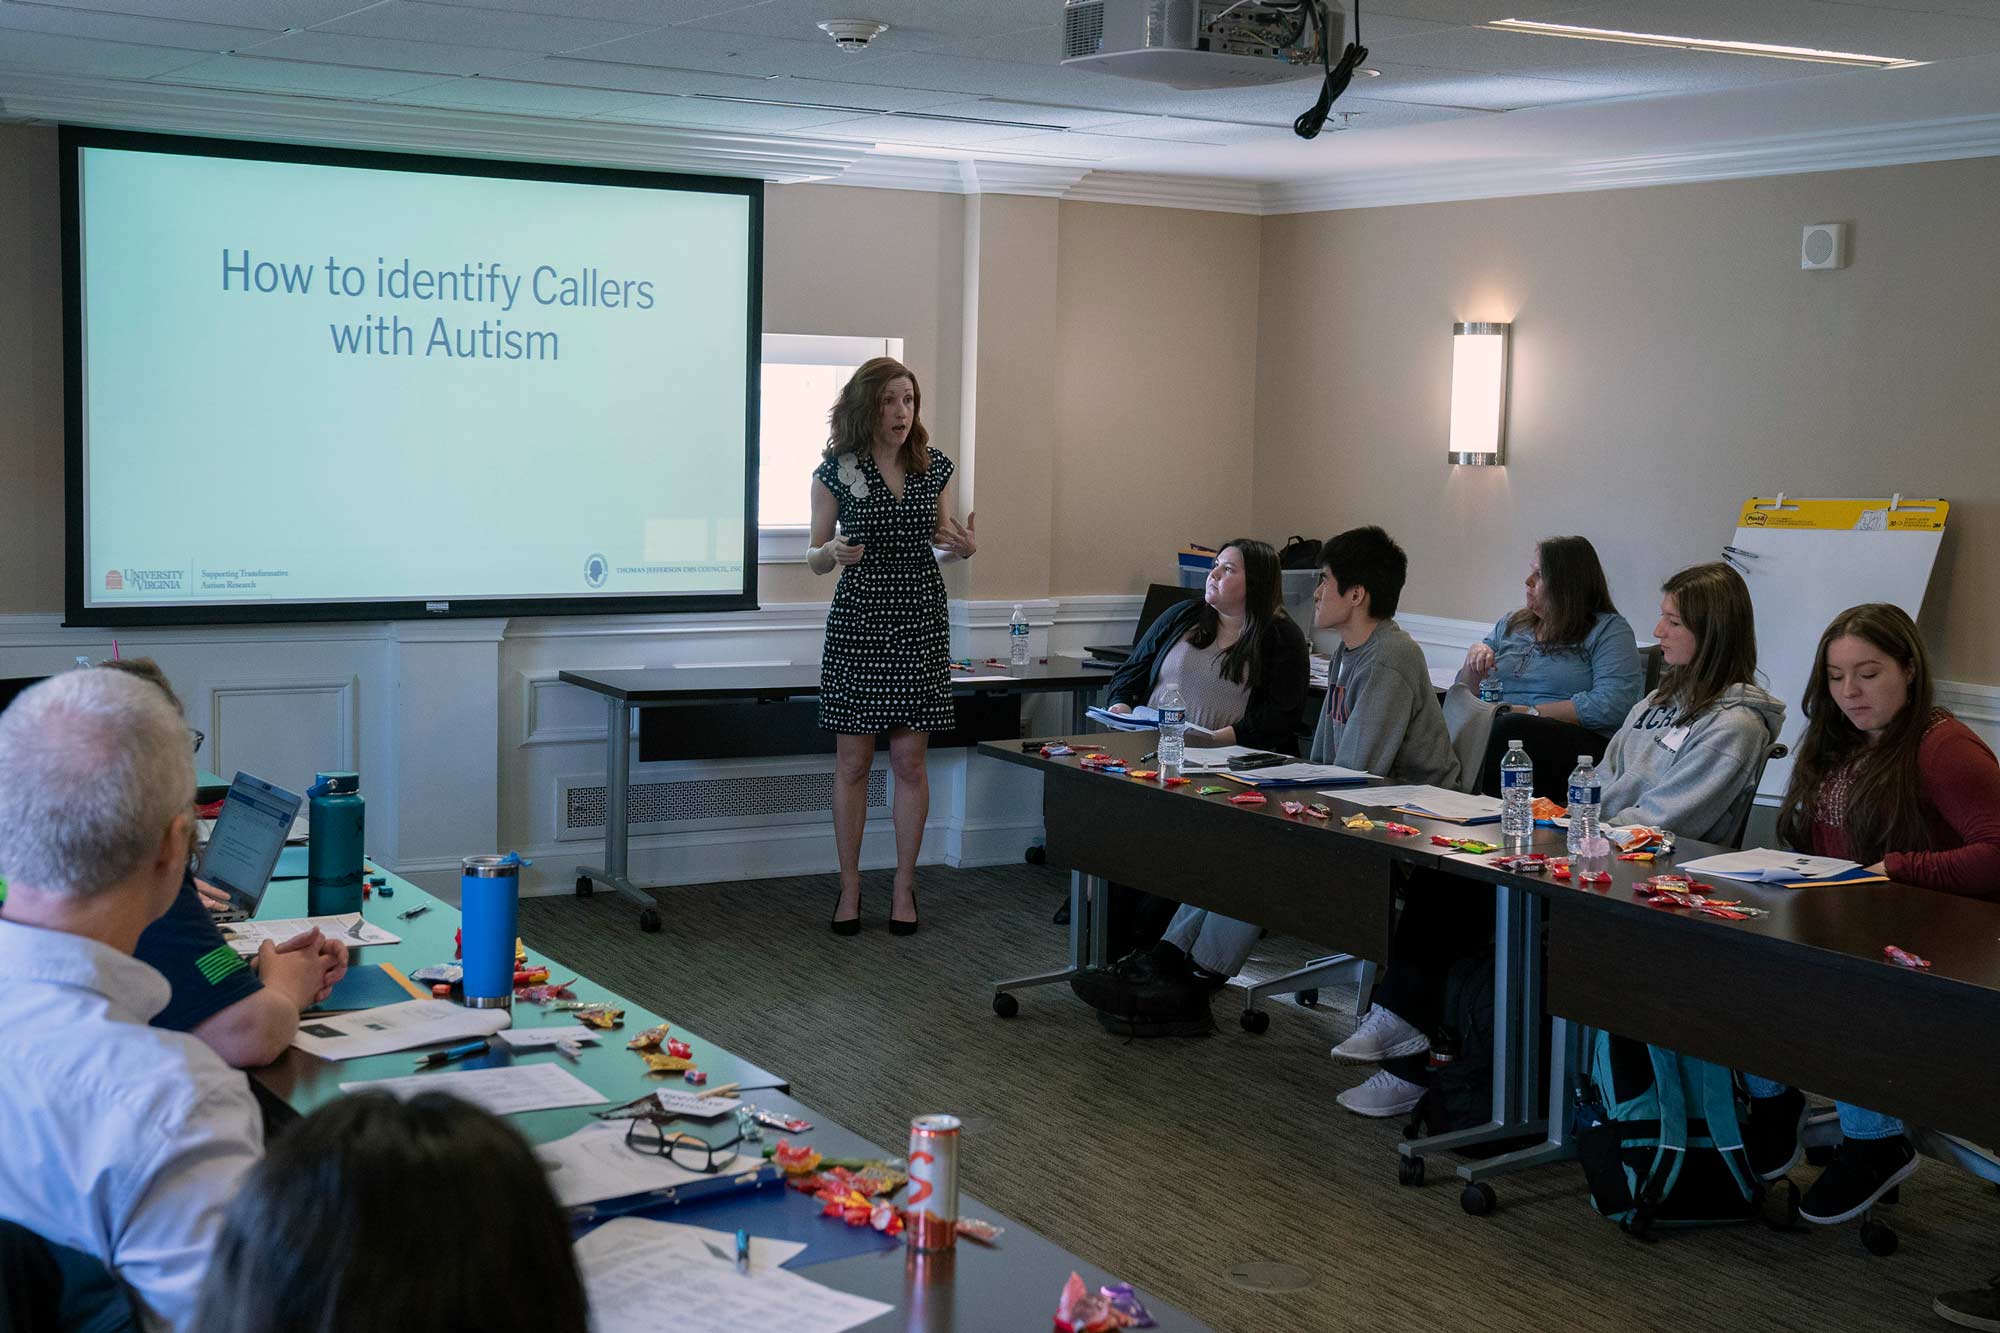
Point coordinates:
pixel 1168 1161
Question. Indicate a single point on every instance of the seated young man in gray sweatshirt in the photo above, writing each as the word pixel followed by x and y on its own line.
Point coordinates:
pixel 1683 759
pixel 1381 716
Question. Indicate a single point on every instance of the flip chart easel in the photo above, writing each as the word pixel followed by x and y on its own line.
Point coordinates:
pixel 1806 561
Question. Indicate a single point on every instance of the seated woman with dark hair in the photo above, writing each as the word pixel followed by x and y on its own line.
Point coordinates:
pixel 1566 654
pixel 1882 775
pixel 395 1217
pixel 1237 657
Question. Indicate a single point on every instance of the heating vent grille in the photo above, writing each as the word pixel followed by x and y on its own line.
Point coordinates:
pixel 1083 28
pixel 716 800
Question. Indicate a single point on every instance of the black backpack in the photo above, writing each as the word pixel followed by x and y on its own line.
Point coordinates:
pixel 1299 553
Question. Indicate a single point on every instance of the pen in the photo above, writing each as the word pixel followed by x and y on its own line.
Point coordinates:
pixel 1150 754
pixel 742 1250
pixel 418 910
pixel 436 1058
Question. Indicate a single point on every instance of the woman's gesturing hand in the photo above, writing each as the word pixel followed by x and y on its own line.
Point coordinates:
pixel 955 539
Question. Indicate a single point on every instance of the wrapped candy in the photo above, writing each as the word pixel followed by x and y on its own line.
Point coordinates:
pixel 1315 810
pixel 1544 808
pixel 675 1046
pixel 979 1229
pixel 1081 1310
pixel 656 1063
pixel 796 1159
pixel 1248 798
pixel 602 1017
pixel 1143 773
pixel 1293 808
pixel 1903 958
pixel 1400 830
pixel 1358 822
pixel 1210 791
pixel 649 1040
pixel 555 990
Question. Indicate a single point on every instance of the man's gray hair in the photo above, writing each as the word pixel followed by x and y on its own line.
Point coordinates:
pixel 94 765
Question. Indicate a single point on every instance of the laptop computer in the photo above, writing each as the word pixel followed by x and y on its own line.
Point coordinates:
pixel 243 850
pixel 1160 597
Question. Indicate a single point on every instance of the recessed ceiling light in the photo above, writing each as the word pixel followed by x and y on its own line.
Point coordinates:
pixel 1770 52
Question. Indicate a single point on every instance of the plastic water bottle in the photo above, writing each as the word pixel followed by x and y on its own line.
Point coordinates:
pixel 1173 731
pixel 1017 636
pixel 1517 797
pixel 1585 800
pixel 1489 687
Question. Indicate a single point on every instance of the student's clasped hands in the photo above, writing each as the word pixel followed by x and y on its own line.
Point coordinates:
pixel 305 967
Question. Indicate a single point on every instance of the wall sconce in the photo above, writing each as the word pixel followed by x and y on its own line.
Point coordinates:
pixel 1479 394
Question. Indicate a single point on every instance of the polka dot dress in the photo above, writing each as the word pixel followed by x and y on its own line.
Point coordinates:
pixel 887 659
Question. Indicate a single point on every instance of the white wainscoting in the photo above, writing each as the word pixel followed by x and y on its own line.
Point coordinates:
pixel 465 739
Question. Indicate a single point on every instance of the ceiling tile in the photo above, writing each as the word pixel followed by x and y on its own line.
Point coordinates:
pixel 1037 113
pixel 66 22
pixel 48 53
pixel 296 76
pixel 927 133
pixel 647 13
pixel 583 72
pixel 1463 11
pixel 1658 73
pixel 726 116
pixel 683 47
pixel 1038 45
pixel 1865 30
pixel 418 21
pixel 529 99
pixel 271 15
pixel 829 92
pixel 1477 92
pixel 1487 51
pixel 341 48
pixel 1176 129
pixel 914 25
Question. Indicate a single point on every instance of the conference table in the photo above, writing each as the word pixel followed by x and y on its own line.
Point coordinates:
pixel 714 712
pixel 1014 1283
pixel 1804 994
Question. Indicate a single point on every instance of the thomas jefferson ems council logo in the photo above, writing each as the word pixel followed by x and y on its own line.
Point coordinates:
pixel 596 570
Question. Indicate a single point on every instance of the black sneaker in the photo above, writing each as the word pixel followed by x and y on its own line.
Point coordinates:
pixel 1773 1134
pixel 1158 962
pixel 1865 1170
pixel 1098 987
pixel 1977 1308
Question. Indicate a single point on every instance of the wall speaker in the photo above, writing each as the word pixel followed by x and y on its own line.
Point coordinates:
pixel 1824 245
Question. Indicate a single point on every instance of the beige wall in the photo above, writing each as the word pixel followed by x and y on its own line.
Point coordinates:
pixel 31 355
pixel 1155 390
pixel 1670 358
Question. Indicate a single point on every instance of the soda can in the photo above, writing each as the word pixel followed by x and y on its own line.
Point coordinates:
pixel 931 1210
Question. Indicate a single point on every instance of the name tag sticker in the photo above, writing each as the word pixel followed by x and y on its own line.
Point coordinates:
pixel 1674 738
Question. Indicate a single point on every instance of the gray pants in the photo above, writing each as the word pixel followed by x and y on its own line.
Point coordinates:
pixel 1217 943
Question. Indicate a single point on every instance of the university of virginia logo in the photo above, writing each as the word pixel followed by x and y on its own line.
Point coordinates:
pixel 114 580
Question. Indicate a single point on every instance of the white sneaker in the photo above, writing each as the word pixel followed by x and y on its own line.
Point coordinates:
pixel 1383 1095
pixel 1381 1036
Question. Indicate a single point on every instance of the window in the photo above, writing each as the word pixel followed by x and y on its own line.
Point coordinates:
pixel 802 375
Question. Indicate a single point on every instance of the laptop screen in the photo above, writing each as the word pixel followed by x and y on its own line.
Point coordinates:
pixel 249 834
pixel 1160 598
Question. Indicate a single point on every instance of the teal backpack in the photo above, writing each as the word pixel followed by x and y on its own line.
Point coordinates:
pixel 1661 1139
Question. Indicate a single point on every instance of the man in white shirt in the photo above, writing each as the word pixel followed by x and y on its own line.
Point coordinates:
pixel 117 1139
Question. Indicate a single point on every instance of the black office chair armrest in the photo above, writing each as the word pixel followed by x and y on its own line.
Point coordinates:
pixel 1552 746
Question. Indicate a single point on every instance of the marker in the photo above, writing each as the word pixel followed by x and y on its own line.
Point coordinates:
pixel 742 1250
pixel 418 910
pixel 1150 754
pixel 436 1058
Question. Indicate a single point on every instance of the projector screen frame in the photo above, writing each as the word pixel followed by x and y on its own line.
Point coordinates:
pixel 73 139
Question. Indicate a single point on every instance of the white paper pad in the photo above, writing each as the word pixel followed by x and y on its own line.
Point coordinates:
pixel 245 937
pixel 679 1101
pixel 395 1027
pixel 1421 799
pixel 1212 758
pixel 528 1039
pixel 1299 775
pixel 1762 864
pixel 594 1164
pixel 646 1276
pixel 1142 718
pixel 977 680
pixel 508 1090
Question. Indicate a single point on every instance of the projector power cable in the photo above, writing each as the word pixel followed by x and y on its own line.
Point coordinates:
pixel 1313 119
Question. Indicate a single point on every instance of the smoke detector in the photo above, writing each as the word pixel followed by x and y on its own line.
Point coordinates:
pixel 853 34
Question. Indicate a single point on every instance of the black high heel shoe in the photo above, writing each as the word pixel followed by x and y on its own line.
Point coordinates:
pixel 851 926
pixel 905 927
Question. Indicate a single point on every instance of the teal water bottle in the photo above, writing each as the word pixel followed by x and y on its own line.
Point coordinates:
pixel 333 851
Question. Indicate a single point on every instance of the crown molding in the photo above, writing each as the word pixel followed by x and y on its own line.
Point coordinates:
pixel 1778 155
pixel 1205 193
pixel 174 108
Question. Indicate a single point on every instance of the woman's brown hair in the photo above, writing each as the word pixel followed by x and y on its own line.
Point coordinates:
pixel 1714 603
pixel 1882 813
pixel 851 424
pixel 1573 588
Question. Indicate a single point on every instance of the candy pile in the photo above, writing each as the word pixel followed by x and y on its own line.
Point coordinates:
pixel 1299 808
pixel 1363 822
pixel 1081 1310
pixel 1472 845
pixel 858 1192
pixel 1679 893
pixel 1103 763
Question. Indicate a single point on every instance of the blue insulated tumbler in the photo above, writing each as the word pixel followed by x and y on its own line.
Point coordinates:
pixel 333 847
pixel 489 903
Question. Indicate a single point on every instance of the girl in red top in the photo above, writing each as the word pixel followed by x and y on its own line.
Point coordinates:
pixel 1887 778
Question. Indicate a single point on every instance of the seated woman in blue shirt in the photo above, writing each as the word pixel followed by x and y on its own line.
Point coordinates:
pixel 1567 654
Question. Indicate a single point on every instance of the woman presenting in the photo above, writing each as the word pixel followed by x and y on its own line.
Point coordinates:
pixel 881 514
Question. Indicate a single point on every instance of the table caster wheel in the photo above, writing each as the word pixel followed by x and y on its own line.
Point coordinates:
pixel 1255 1022
pixel 1038 855
pixel 1006 1005
pixel 1308 997
pixel 1409 1170
pixel 649 921
pixel 1878 1239
pixel 1478 1199
pixel 583 886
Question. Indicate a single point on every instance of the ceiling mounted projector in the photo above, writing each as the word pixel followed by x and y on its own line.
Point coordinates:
pixel 1202 43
